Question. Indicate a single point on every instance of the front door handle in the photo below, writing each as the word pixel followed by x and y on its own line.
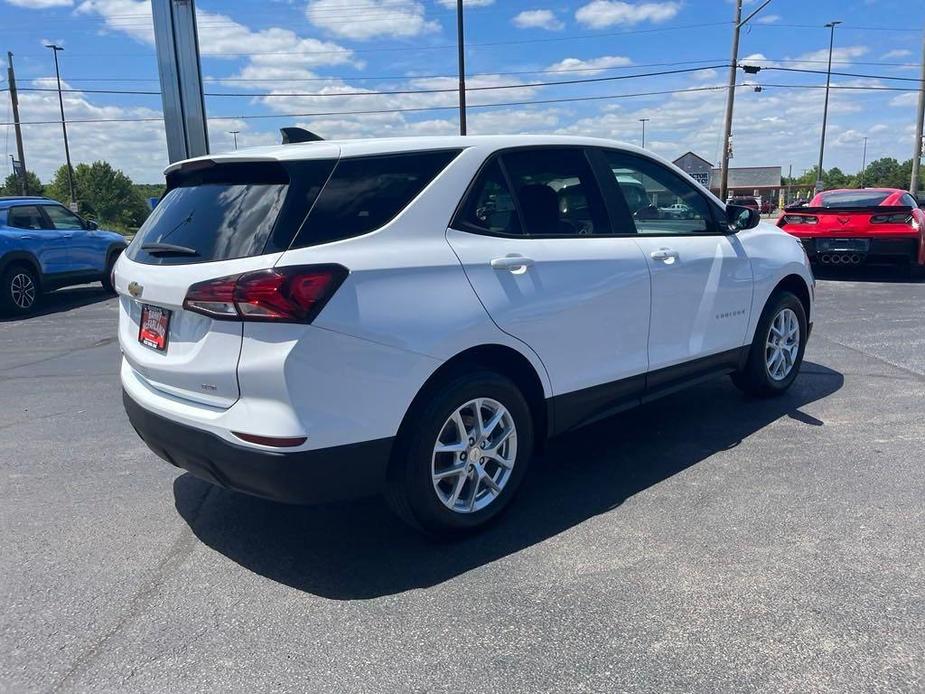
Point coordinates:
pixel 26 237
pixel 514 263
pixel 668 255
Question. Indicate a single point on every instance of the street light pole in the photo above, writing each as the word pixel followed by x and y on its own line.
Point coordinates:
pixel 234 134
pixel 825 109
pixel 644 121
pixel 67 152
pixel 863 163
pixel 915 183
pixel 461 44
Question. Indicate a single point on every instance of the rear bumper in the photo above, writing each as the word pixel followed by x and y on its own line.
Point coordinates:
pixel 300 477
pixel 879 250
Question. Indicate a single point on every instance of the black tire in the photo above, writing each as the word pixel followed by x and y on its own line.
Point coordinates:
pixel 106 280
pixel 19 290
pixel 410 489
pixel 755 378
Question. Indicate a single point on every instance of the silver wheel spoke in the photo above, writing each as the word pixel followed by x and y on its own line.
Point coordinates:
pixel 474 476
pixel 782 345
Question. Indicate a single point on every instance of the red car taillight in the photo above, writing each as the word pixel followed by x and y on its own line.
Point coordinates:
pixel 797 219
pixel 900 218
pixel 287 294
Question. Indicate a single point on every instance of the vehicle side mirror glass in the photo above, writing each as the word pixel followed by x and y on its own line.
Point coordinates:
pixel 91 225
pixel 739 218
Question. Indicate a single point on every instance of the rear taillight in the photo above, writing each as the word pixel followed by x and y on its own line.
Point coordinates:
pixel 798 219
pixel 898 218
pixel 286 294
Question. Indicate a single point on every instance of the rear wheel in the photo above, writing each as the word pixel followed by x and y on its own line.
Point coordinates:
pixel 19 290
pixel 461 455
pixel 106 280
pixel 776 353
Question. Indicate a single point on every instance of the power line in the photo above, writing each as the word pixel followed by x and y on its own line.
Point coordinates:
pixel 393 92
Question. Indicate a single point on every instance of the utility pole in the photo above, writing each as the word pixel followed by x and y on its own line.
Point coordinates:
pixel 863 163
pixel 644 121
pixel 461 45
pixel 234 134
pixel 920 120
pixel 738 23
pixel 14 99
pixel 825 109
pixel 67 152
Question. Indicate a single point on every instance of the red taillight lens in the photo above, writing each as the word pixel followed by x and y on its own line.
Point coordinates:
pixel 900 218
pixel 287 294
pixel 797 219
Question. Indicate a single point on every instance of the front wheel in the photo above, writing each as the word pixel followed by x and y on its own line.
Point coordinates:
pixel 461 455
pixel 776 354
pixel 19 290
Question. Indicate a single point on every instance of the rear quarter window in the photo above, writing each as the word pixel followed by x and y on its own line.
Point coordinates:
pixel 366 193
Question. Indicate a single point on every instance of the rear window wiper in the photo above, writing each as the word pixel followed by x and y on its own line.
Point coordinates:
pixel 168 249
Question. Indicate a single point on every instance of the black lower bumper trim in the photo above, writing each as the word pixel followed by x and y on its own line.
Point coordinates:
pixel 878 251
pixel 303 477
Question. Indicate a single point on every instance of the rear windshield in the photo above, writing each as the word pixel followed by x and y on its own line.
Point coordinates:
pixel 853 198
pixel 229 211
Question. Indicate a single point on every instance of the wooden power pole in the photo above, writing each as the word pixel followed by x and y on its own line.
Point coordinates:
pixel 14 99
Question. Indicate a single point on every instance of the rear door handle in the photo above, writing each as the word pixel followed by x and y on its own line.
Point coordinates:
pixel 26 237
pixel 666 254
pixel 512 263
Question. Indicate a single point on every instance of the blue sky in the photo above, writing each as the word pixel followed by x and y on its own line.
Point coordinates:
pixel 344 48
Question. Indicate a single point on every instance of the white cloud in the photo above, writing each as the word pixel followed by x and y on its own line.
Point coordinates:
pixel 41 4
pixel 366 19
pixel 604 13
pixel 592 66
pixel 768 19
pixel 896 53
pixel 538 19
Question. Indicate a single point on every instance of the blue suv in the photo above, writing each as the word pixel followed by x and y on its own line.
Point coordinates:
pixel 44 246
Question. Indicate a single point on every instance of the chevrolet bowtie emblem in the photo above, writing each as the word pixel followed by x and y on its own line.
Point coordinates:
pixel 135 289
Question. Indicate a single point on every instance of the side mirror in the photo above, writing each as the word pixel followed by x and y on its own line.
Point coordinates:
pixel 91 225
pixel 740 218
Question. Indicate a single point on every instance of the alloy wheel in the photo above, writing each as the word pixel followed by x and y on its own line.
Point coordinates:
pixel 474 455
pixel 22 290
pixel 782 345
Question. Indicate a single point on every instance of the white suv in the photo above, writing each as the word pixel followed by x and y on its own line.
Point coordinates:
pixel 415 316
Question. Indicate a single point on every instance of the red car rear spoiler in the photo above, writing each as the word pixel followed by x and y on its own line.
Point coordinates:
pixel 872 209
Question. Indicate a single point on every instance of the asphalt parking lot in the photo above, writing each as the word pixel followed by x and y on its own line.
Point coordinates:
pixel 706 542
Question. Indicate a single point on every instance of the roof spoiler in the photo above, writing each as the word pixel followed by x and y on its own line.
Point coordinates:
pixel 293 136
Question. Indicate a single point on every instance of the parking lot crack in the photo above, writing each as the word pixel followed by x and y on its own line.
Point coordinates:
pixel 857 350
pixel 179 551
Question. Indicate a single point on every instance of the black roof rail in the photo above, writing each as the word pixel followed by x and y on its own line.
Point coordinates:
pixel 293 136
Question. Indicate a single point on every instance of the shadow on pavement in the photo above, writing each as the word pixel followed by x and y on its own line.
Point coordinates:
pixel 63 300
pixel 899 274
pixel 358 550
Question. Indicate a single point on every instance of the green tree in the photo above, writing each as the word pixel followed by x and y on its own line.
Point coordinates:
pixel 104 193
pixel 33 185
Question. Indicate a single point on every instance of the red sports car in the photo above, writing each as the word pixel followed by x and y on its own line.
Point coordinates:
pixel 875 225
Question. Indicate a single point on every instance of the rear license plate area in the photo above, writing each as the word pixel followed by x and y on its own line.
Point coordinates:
pixel 154 327
pixel 843 245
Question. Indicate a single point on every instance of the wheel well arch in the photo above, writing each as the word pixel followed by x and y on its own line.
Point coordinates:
pixel 21 258
pixel 501 359
pixel 796 285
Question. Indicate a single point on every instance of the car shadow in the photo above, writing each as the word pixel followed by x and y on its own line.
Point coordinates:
pixel 895 274
pixel 358 550
pixel 63 300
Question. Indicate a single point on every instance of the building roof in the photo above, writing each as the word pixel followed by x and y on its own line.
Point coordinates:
pixel 751 177
pixel 697 156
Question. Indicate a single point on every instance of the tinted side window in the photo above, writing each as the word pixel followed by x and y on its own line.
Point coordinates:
pixel 490 205
pixel 62 218
pixel 909 200
pixel 556 192
pixel 660 201
pixel 26 217
pixel 366 193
